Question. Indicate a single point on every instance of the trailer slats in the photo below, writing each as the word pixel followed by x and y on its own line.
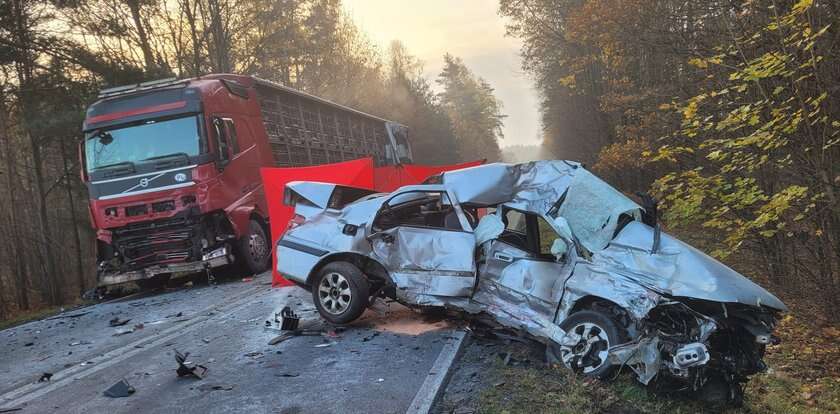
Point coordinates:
pixel 304 131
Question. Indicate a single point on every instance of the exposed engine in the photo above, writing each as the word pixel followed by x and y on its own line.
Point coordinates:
pixel 695 345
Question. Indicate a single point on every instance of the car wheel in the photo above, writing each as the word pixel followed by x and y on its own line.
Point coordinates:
pixel 595 334
pixel 340 292
pixel 255 248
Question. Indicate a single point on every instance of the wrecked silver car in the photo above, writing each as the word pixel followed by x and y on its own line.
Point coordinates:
pixel 546 248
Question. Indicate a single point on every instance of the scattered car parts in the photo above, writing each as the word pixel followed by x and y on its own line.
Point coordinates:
pixel 120 389
pixel 187 368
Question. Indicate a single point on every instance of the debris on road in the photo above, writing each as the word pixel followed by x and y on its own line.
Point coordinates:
pixel 76 343
pixel 120 332
pixel 187 368
pixel 64 316
pixel 289 320
pixel 287 374
pixel 118 322
pixel 215 387
pixel 255 354
pixel 175 315
pixel 45 377
pixel 291 334
pixel 120 389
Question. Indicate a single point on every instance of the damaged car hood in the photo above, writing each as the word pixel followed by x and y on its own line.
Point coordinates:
pixel 678 269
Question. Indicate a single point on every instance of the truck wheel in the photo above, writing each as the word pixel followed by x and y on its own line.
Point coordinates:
pixel 340 292
pixel 597 333
pixel 255 249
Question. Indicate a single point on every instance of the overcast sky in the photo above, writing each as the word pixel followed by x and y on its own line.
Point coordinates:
pixel 470 29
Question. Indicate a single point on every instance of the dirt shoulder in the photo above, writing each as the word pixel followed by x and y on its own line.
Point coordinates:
pixel 504 376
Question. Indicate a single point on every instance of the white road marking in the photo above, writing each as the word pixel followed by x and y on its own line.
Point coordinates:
pixel 33 391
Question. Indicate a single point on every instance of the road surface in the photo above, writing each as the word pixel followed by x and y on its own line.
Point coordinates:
pixel 375 365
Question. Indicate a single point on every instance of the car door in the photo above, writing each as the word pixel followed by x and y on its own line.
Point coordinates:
pixel 425 243
pixel 519 264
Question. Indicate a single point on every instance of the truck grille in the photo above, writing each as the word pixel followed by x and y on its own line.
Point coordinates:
pixel 158 242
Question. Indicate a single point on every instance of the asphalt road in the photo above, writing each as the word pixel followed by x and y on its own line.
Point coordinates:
pixel 375 365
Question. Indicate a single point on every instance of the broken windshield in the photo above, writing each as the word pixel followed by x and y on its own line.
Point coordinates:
pixel 150 140
pixel 592 208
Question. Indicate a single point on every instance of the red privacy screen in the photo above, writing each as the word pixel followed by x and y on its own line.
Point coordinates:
pixel 357 173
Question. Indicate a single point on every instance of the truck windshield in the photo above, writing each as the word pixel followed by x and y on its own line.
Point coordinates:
pixel 143 142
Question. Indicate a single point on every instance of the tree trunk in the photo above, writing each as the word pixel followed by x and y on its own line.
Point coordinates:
pixel 148 56
pixel 18 266
pixel 77 246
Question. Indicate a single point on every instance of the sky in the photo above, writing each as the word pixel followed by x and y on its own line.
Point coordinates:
pixel 469 29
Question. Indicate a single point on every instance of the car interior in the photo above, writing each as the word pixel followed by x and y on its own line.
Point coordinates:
pixel 528 232
pixel 421 209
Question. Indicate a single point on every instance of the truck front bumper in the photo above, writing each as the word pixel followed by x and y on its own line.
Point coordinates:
pixel 215 258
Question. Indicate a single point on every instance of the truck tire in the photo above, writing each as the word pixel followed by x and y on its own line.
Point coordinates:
pixel 255 249
pixel 340 292
pixel 589 356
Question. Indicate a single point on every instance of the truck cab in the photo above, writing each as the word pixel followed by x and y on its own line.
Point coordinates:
pixel 172 170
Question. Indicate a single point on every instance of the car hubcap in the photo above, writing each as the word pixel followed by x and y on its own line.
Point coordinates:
pixel 334 293
pixel 590 351
pixel 257 246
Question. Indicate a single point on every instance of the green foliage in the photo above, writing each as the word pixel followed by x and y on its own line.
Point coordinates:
pixel 729 110
pixel 755 118
pixel 474 110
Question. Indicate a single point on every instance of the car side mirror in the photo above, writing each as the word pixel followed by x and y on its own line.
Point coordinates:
pixel 559 248
pixel 563 228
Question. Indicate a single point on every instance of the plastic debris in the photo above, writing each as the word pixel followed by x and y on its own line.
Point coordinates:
pixel 215 387
pixel 289 320
pixel 45 377
pixel 118 322
pixel 120 389
pixel 187 368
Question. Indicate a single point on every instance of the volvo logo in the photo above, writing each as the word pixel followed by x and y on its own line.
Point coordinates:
pixel 180 177
pixel 144 182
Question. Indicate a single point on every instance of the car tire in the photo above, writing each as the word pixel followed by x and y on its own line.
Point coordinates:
pixel 590 359
pixel 255 249
pixel 340 292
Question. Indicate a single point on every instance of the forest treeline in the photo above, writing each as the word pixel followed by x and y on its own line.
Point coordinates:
pixel 727 110
pixel 55 55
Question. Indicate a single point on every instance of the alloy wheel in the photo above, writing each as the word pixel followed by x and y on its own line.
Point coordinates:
pixel 591 350
pixel 334 293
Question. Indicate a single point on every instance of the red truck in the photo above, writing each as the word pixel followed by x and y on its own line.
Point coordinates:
pixel 172 168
